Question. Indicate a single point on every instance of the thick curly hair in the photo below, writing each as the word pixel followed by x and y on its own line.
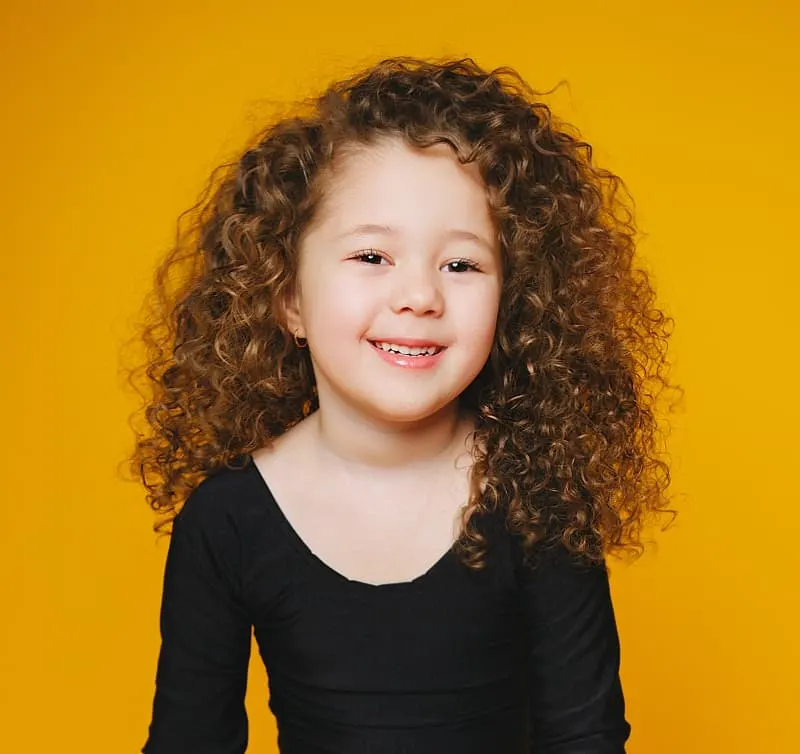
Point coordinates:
pixel 567 434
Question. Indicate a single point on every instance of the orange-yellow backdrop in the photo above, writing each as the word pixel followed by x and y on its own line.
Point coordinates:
pixel 114 113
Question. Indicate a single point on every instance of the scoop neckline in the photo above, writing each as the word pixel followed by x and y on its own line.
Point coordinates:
pixel 300 545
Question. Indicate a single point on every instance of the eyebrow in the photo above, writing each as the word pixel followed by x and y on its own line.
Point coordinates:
pixel 387 230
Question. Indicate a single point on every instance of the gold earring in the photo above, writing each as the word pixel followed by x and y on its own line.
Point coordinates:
pixel 297 340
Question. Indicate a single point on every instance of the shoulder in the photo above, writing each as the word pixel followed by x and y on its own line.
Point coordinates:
pixel 227 500
pixel 562 591
pixel 550 565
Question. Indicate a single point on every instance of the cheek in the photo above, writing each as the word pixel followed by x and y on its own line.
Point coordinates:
pixel 340 306
pixel 477 316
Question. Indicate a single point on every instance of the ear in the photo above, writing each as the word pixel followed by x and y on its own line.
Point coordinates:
pixel 292 313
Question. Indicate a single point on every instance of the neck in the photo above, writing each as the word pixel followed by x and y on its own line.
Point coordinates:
pixel 367 446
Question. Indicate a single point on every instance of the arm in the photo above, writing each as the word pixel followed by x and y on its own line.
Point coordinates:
pixel 201 678
pixel 576 703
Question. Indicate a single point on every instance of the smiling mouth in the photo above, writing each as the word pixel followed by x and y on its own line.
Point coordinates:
pixel 412 351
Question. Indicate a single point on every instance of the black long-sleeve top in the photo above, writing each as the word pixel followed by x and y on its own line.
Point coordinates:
pixel 513 659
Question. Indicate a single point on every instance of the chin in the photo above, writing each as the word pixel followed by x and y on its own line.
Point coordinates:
pixel 409 412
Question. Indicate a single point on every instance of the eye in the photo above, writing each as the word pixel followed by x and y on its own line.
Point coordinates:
pixel 370 256
pixel 465 264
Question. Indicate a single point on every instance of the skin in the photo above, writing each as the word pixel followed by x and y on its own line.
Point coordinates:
pixel 377 421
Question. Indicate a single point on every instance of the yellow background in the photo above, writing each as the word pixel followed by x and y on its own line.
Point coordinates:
pixel 114 114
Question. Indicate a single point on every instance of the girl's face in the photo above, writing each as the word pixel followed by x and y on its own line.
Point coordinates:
pixel 403 249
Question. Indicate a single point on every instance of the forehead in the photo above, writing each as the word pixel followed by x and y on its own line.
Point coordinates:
pixel 394 184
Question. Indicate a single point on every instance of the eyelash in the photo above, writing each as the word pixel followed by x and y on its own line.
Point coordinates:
pixel 471 266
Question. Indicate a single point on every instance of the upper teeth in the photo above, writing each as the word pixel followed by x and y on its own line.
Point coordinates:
pixel 408 351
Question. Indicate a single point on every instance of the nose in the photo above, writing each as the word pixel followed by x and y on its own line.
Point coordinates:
pixel 417 288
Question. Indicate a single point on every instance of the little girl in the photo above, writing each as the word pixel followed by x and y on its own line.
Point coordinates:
pixel 402 410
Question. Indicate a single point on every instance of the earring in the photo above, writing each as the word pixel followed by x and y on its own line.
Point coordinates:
pixel 297 341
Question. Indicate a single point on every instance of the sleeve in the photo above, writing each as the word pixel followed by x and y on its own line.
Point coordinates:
pixel 201 677
pixel 576 699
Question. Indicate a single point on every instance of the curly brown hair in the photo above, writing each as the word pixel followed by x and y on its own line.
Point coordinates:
pixel 567 435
